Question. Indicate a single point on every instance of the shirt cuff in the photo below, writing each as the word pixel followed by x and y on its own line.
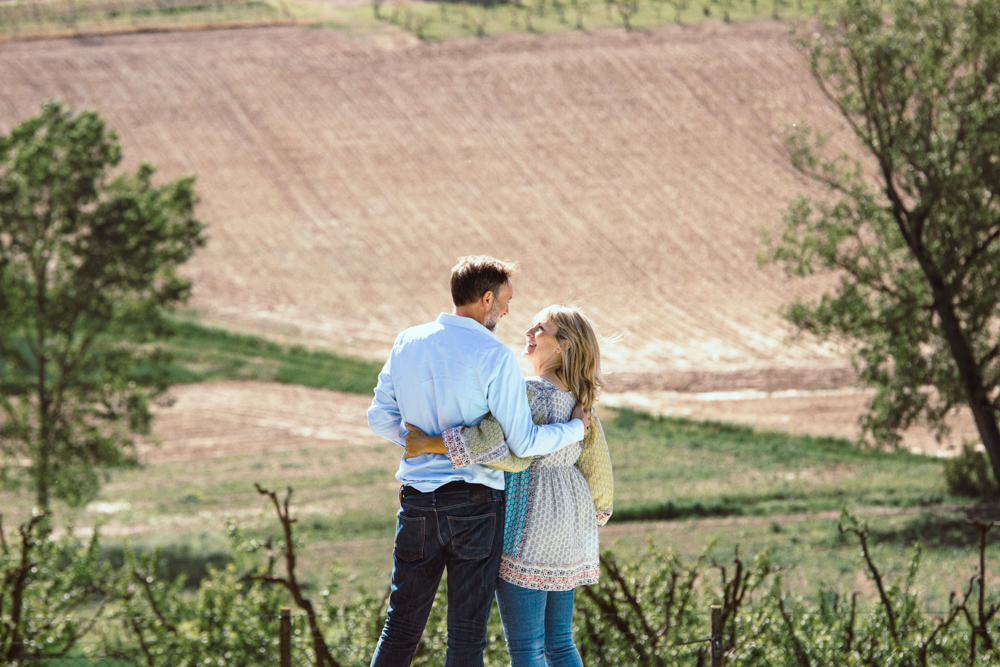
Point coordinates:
pixel 458 452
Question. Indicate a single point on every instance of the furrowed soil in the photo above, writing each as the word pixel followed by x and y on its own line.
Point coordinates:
pixel 629 173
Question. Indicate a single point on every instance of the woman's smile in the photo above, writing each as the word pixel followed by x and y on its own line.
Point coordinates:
pixel 541 346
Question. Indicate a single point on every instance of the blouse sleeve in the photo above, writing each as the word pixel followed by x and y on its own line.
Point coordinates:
pixel 595 464
pixel 483 444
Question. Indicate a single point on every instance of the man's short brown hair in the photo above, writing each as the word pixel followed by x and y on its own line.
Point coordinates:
pixel 475 275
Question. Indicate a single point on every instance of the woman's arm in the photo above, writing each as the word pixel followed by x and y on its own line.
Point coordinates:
pixel 595 464
pixel 463 445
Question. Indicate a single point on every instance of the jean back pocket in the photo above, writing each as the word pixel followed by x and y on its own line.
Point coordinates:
pixel 472 536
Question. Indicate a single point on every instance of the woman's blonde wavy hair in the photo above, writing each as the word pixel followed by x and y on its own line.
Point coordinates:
pixel 580 360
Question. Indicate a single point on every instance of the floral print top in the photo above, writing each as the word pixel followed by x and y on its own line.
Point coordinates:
pixel 554 502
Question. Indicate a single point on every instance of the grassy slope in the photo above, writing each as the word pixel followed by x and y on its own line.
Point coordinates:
pixel 675 468
pixel 204 353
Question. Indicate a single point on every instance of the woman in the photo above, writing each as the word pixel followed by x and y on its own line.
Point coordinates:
pixel 555 502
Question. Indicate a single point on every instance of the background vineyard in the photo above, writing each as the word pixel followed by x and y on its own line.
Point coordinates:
pixel 33 19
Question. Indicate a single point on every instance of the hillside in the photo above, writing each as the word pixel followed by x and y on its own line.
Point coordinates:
pixel 628 173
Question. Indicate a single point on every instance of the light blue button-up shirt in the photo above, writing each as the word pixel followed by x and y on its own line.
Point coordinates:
pixel 452 372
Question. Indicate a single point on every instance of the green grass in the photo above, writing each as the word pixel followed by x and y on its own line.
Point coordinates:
pixel 720 484
pixel 667 468
pixel 203 353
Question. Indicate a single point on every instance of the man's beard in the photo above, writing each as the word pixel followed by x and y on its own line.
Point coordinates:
pixel 493 317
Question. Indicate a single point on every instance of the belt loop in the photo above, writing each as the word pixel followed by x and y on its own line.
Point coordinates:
pixel 400 495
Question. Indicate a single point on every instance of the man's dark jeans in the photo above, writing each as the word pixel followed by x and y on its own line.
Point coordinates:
pixel 434 531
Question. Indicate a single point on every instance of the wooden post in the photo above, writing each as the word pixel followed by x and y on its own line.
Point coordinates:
pixel 285 637
pixel 716 635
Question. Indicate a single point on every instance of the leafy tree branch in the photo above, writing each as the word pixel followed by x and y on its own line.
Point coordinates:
pixel 88 271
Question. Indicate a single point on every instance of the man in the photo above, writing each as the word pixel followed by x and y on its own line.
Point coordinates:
pixel 446 373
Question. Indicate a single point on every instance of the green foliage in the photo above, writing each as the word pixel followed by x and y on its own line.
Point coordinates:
pixel 969 474
pixel 52 591
pixel 653 610
pixel 914 232
pixel 188 561
pixel 229 621
pixel 25 20
pixel 642 612
pixel 838 628
pixel 88 266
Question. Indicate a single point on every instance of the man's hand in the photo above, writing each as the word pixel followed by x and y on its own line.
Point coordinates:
pixel 418 442
pixel 578 413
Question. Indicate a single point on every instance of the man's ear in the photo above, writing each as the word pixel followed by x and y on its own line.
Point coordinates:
pixel 487 299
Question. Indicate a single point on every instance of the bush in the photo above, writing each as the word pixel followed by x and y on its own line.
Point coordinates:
pixel 52 590
pixel 191 562
pixel 970 474
pixel 653 611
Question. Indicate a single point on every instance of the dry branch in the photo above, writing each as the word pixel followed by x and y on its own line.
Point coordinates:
pixel 287 552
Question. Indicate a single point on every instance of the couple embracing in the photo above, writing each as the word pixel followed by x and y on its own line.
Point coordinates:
pixel 504 481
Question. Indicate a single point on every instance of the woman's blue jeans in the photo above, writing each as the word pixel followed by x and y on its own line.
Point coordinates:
pixel 435 531
pixel 538 626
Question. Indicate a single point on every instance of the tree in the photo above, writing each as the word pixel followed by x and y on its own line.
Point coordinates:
pixel 914 232
pixel 88 271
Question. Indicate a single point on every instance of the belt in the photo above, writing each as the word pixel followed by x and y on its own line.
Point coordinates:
pixel 478 493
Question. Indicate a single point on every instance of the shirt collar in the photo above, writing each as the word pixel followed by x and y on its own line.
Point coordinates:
pixel 465 323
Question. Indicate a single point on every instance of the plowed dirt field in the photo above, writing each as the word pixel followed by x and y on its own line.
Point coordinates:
pixel 629 173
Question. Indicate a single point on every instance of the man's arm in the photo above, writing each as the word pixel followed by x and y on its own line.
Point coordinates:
pixel 384 417
pixel 508 403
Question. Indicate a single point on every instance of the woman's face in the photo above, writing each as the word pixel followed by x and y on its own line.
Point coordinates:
pixel 542 348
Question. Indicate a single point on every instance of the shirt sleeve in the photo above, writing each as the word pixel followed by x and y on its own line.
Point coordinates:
pixel 509 405
pixel 482 444
pixel 384 417
pixel 595 464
